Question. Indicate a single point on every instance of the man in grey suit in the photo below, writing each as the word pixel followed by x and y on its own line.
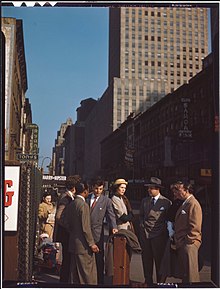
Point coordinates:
pixel 81 243
pixel 153 229
pixel 100 207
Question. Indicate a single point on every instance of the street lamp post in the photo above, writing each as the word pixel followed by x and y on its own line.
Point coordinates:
pixel 42 163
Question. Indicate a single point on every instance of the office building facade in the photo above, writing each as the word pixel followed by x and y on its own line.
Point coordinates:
pixel 153 51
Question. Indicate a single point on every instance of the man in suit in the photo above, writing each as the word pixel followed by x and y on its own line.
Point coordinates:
pixel 81 243
pixel 100 207
pixel 153 229
pixel 187 236
pixel 61 233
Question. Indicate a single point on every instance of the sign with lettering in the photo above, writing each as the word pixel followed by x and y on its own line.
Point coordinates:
pixel 11 197
pixel 185 132
pixel 53 178
pixel 27 157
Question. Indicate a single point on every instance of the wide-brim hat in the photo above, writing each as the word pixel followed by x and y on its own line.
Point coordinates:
pixel 154 182
pixel 120 182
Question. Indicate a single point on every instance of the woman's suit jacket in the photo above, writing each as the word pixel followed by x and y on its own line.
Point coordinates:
pixel 120 209
pixel 188 223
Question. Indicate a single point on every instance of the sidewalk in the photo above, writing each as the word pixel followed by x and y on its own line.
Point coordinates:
pixel 137 275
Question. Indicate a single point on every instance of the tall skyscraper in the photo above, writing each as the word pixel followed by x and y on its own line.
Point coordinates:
pixel 152 51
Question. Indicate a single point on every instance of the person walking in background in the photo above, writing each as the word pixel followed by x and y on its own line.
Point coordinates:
pixel 188 232
pixel 61 233
pixel 121 205
pixel 46 215
pixel 153 232
pixel 81 243
pixel 100 207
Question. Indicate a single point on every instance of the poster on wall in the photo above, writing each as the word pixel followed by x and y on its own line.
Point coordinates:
pixel 11 197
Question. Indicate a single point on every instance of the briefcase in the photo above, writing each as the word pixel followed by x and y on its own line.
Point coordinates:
pixel 121 261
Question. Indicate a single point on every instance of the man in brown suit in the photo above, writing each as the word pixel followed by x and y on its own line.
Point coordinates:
pixel 187 236
pixel 81 243
pixel 153 229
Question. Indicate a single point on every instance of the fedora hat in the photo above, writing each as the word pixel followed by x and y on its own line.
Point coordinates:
pixel 154 182
pixel 120 181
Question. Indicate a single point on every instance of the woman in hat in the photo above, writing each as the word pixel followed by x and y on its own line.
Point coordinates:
pixel 122 205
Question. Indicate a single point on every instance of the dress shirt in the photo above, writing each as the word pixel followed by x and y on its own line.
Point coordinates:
pixel 93 199
pixel 156 198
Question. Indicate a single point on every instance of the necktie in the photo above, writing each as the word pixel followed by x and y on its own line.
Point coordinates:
pixel 152 202
pixel 94 202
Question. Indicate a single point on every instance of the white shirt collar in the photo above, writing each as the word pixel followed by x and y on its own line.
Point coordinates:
pixel 186 200
pixel 156 198
pixel 93 197
pixel 70 194
pixel 81 197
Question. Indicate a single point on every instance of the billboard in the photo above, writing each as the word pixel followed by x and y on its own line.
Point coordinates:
pixel 11 197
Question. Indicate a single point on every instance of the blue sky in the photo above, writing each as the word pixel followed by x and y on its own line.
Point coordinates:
pixel 66 51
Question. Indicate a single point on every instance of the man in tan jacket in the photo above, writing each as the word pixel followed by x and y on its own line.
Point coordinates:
pixel 187 236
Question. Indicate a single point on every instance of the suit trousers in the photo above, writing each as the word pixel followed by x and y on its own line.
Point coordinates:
pixel 83 269
pixel 188 261
pixel 153 251
pixel 99 258
pixel 65 267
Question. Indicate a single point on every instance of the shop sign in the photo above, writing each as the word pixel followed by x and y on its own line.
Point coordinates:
pixel 11 197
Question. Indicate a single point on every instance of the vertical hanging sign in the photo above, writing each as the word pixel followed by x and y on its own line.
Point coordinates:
pixel 11 197
pixel 185 132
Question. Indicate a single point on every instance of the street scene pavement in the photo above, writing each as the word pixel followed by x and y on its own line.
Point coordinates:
pixel 136 274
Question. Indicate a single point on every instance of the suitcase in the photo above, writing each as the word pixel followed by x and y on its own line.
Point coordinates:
pixel 121 265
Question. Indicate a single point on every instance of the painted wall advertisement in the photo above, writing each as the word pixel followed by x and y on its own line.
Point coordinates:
pixel 11 197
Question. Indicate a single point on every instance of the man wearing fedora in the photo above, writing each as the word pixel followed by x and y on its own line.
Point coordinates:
pixel 153 229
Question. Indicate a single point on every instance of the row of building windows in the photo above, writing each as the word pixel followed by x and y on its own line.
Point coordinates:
pixel 181 29
pixel 152 46
pixel 168 12
pixel 158 73
pixel 151 54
